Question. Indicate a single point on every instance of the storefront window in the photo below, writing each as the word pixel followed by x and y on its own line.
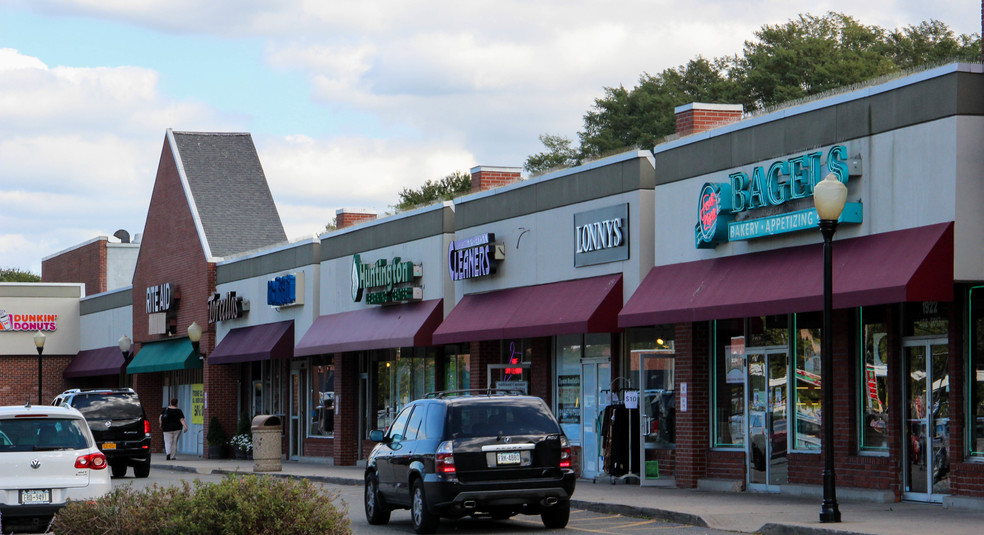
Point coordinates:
pixel 652 360
pixel 569 384
pixel 875 408
pixel 808 394
pixel 403 375
pixel 457 367
pixel 976 393
pixel 321 397
pixel 728 376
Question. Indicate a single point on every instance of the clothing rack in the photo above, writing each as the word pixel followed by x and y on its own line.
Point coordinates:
pixel 620 434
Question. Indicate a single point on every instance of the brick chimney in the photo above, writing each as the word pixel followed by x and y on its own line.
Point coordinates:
pixel 347 217
pixel 486 177
pixel 698 117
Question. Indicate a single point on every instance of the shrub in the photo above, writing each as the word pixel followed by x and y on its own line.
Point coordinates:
pixel 239 504
pixel 216 434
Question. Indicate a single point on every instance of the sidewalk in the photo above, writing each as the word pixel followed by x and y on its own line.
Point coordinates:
pixel 743 512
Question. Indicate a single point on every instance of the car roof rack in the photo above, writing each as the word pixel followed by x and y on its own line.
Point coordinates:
pixel 475 392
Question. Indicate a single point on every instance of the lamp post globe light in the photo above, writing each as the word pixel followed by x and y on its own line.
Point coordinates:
pixel 829 195
pixel 125 344
pixel 39 339
pixel 195 335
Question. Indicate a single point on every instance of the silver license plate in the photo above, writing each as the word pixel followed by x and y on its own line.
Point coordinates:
pixel 507 457
pixel 35 496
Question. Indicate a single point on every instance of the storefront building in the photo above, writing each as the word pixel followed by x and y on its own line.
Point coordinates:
pixel 382 294
pixel 27 309
pixel 738 280
pixel 210 200
pixel 542 269
pixel 263 303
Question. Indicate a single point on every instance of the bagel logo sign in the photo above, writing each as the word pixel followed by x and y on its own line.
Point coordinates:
pixel 27 322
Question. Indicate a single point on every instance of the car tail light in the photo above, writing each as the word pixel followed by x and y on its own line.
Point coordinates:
pixel 565 452
pixel 147 427
pixel 444 459
pixel 94 461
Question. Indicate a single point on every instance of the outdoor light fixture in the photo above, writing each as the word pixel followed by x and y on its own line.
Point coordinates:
pixel 125 344
pixel 195 335
pixel 829 195
pixel 39 339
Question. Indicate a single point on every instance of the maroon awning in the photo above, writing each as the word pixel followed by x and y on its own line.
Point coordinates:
pixel 378 327
pixel 257 342
pixel 576 306
pixel 93 362
pixel 905 265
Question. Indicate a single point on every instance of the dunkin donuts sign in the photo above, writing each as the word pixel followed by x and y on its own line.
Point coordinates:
pixel 27 322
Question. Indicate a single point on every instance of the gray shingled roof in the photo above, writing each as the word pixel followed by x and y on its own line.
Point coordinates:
pixel 234 202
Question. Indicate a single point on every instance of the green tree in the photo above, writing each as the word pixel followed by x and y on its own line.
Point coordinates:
pixel 559 153
pixel 805 56
pixel 434 190
pixel 17 275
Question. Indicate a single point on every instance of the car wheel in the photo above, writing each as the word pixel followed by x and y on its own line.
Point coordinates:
pixel 376 512
pixel 118 469
pixel 423 520
pixel 556 517
pixel 141 470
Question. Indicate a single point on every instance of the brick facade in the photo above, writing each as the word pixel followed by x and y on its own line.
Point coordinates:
pixel 345 446
pixel 692 342
pixel 86 264
pixel 698 117
pixel 485 177
pixel 19 375
pixel 172 252
pixel 347 217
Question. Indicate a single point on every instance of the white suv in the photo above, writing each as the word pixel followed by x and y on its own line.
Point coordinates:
pixel 48 457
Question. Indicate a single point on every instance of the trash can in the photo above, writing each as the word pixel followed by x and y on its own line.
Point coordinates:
pixel 266 443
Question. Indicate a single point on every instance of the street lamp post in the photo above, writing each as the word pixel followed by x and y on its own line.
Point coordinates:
pixel 39 339
pixel 829 195
pixel 125 345
pixel 195 335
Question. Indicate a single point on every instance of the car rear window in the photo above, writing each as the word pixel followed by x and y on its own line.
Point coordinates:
pixel 509 416
pixel 108 406
pixel 42 434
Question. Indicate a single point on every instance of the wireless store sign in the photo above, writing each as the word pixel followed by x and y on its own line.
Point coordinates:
pixel 383 282
pixel 726 211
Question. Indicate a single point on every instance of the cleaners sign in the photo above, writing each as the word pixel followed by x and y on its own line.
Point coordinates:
pixel 474 257
pixel 384 282
pixel 721 207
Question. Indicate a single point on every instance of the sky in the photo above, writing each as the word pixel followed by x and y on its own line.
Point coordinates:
pixel 347 102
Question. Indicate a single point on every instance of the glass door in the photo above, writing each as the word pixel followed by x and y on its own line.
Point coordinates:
pixel 767 418
pixel 595 377
pixel 927 424
pixel 657 410
pixel 298 378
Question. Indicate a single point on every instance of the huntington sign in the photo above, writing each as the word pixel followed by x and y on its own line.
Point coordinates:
pixel 385 282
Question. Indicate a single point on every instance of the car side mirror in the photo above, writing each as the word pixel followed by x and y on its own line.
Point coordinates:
pixel 376 435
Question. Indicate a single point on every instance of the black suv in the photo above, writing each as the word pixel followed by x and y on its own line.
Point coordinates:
pixel 118 423
pixel 451 455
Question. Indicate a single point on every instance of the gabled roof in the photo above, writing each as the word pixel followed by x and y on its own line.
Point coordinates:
pixel 227 192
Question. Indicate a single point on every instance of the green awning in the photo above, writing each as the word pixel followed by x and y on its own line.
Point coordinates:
pixel 165 356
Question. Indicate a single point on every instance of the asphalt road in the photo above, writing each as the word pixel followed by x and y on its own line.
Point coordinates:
pixel 351 498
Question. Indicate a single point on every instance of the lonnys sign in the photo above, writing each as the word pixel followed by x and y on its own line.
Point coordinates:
pixel 728 211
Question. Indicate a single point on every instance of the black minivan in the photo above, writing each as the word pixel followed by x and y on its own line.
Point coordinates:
pixel 451 455
pixel 118 423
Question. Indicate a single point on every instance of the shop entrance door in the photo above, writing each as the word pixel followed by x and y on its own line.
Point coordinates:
pixel 927 423
pixel 298 413
pixel 596 378
pixel 766 417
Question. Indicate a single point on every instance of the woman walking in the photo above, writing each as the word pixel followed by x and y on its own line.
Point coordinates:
pixel 172 423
